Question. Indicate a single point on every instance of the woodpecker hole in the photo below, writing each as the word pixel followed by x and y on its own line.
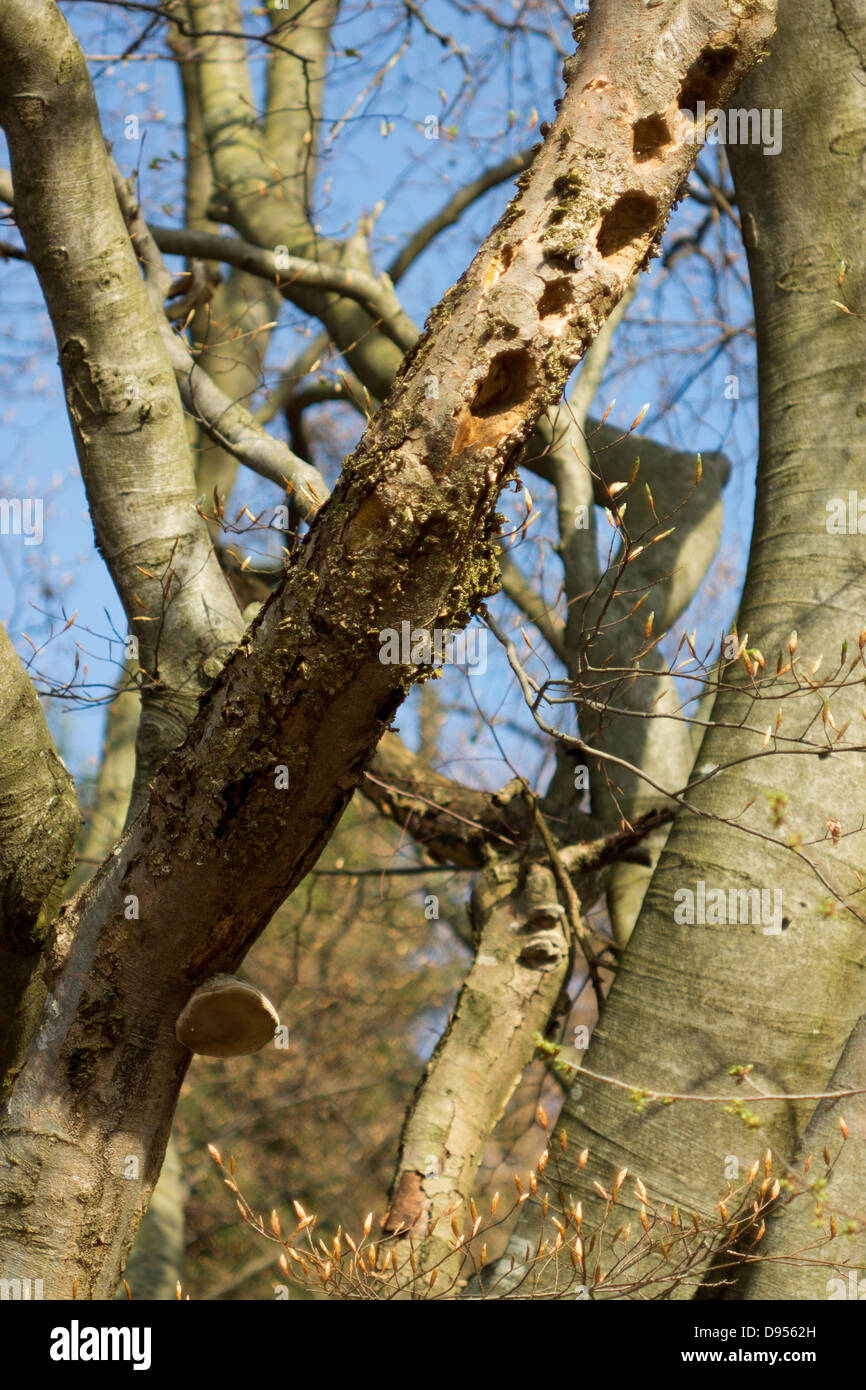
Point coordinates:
pixel 650 136
pixel 632 217
pixel 556 298
pixel 508 382
pixel 703 80
pixel 510 379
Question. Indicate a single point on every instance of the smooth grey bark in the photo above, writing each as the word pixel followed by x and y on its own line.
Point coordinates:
pixel 522 961
pixel 228 329
pixel 803 1256
pixel 796 246
pixel 641 719
pixel 225 422
pixel 374 295
pixel 240 152
pixel 104 822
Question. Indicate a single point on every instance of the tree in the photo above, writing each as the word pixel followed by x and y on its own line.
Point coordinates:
pixel 742 996
pixel 409 542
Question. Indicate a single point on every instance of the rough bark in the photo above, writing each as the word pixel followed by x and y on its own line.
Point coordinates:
pixel 155 1262
pixel 38 827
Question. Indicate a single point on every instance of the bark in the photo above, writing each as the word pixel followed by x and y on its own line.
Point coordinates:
pixel 795 248
pixel 408 535
pixel 597 615
pixel 38 827
pixel 233 353
pixel 600 640
pixel 374 294
pixel 690 1001
pixel 803 1253
pixel 226 423
pixel 105 820
pixel 156 1262
pixel 451 823
pixel 642 720
pixel 230 326
pixel 522 961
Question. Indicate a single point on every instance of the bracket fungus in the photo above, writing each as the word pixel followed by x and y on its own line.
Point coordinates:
pixel 226 1018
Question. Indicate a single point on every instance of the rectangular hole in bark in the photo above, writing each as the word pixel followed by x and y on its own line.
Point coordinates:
pixel 559 262
pixel 632 217
pixel 650 135
pixel 509 380
pixel 556 298
pixel 704 78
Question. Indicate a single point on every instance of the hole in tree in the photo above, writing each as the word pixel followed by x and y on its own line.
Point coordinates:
pixel 559 262
pixel 555 299
pixel 649 137
pixel 509 380
pixel 704 78
pixel 632 217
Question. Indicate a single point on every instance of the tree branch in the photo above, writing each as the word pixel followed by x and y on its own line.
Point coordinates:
pixel 120 388
pixel 375 295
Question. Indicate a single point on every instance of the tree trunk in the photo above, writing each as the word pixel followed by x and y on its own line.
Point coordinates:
pixel 692 1001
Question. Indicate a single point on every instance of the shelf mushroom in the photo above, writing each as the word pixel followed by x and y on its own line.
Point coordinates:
pixel 226 1018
